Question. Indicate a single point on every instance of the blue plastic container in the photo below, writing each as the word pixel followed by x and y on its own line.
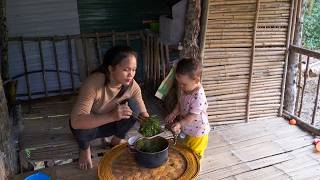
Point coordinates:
pixel 38 176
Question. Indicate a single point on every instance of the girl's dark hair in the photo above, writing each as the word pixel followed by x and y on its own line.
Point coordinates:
pixel 113 57
pixel 189 66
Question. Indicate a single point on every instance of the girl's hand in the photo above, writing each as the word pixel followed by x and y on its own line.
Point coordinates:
pixel 176 128
pixel 170 118
pixel 121 112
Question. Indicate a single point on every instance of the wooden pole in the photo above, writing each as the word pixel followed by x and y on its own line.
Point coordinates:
pixel 299 84
pixel 316 102
pixel 113 38
pixel 163 61
pixel 98 48
pixel 203 30
pixel 25 66
pixel 302 124
pixel 288 82
pixel 71 64
pixel 306 75
pixel 127 39
pixel 85 53
pixel 56 63
pixel 252 58
pixel 43 68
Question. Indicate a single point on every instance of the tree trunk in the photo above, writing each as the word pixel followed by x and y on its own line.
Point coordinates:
pixel 192 30
pixel 4 68
pixel 6 136
pixel 190 45
pixel 291 85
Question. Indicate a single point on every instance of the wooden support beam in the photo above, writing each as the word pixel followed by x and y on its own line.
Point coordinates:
pixel 304 51
pixel 57 63
pixel 203 27
pixel 299 84
pixel 301 123
pixel 306 75
pixel 252 59
pixel 316 103
pixel 289 88
pixel 71 64
pixel 98 48
pixel 43 68
pixel 25 67
pixel 85 53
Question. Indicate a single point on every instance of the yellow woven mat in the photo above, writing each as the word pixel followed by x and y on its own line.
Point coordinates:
pixel 119 163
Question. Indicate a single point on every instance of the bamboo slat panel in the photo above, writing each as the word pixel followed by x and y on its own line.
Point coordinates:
pixel 228 52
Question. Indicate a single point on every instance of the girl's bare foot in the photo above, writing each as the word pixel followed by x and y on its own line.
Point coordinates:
pixel 116 141
pixel 85 161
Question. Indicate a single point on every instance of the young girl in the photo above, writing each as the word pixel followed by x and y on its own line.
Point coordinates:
pixel 191 107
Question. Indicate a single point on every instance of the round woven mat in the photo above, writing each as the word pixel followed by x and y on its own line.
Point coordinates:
pixel 119 163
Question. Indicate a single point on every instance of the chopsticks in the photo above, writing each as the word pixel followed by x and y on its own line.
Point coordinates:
pixel 133 113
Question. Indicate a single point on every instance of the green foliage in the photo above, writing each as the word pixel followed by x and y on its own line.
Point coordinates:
pixel 311 28
pixel 151 127
pixel 150 145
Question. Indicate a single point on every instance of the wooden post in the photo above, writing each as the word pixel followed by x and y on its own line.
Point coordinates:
pixel 85 53
pixel 113 38
pixel 204 22
pixel 285 69
pixel 25 66
pixel 290 87
pixel 306 75
pixel 127 39
pixel 43 68
pixel 299 83
pixel 55 55
pixel 98 48
pixel 71 63
pixel 316 102
pixel 252 58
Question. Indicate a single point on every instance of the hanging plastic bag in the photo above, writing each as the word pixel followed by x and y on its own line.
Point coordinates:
pixel 166 84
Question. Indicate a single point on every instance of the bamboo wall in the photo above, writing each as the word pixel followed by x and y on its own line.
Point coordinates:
pixel 244 56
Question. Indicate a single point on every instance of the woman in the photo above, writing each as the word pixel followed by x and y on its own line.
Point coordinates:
pixel 98 111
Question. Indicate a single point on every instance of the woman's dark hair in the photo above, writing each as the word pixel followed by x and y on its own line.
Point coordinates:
pixel 189 66
pixel 113 57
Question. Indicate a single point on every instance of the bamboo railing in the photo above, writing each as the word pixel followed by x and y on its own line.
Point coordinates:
pixel 308 122
pixel 155 60
pixel 86 41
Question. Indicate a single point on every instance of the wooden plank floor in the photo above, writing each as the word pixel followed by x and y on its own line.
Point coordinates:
pixel 46 135
pixel 267 148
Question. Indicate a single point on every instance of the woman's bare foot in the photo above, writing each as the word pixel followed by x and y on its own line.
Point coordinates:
pixel 116 141
pixel 85 161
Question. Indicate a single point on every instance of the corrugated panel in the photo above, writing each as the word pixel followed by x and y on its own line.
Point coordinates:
pixel 228 54
pixel 118 15
pixel 41 18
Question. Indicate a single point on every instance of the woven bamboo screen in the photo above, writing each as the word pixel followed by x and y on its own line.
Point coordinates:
pixel 244 55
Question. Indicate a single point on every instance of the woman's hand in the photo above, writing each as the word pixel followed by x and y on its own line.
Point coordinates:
pixel 143 117
pixel 176 128
pixel 121 112
pixel 170 118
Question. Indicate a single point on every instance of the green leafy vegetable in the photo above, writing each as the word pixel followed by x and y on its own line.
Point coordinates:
pixel 151 127
pixel 151 145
